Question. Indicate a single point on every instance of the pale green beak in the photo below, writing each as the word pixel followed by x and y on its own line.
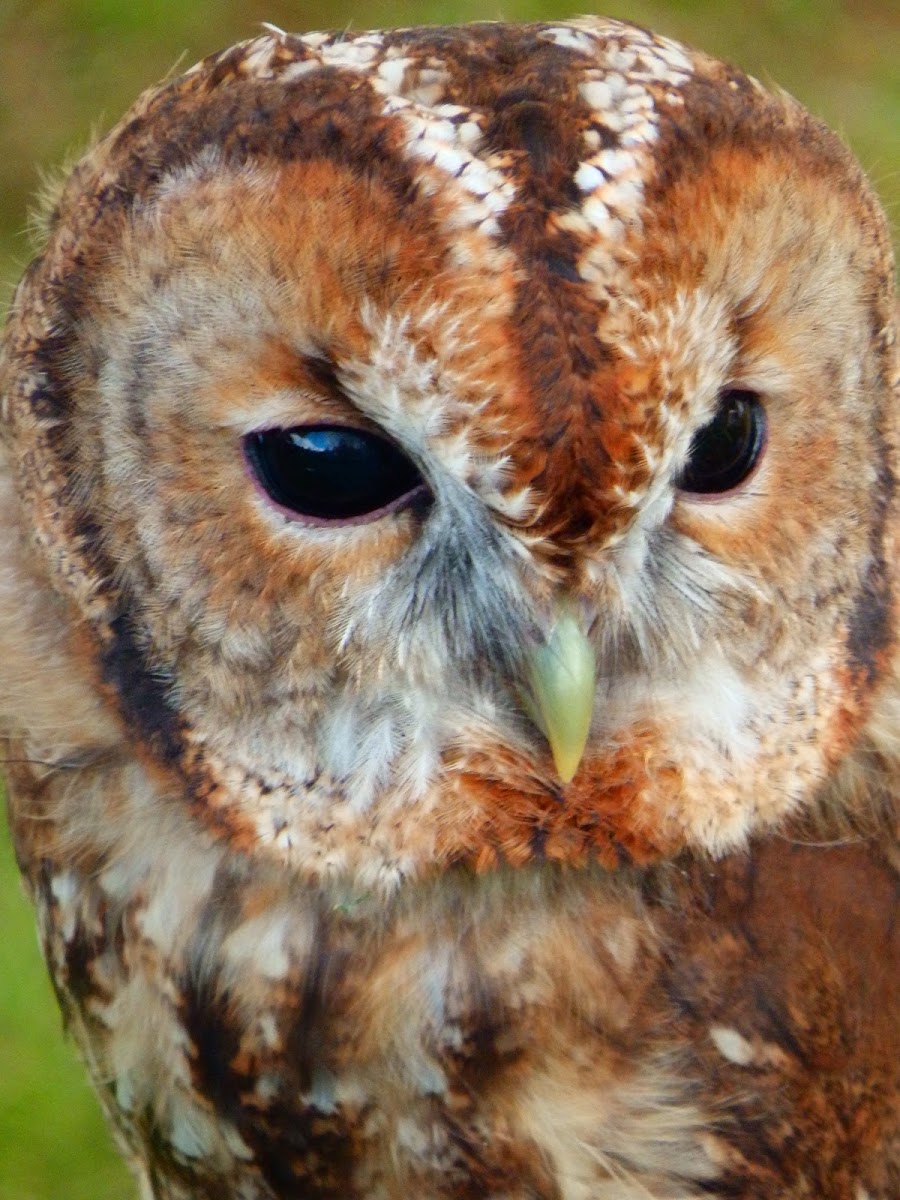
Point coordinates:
pixel 561 676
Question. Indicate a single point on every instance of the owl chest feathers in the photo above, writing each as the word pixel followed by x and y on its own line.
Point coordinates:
pixel 528 1033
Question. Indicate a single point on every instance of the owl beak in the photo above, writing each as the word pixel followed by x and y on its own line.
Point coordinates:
pixel 561 677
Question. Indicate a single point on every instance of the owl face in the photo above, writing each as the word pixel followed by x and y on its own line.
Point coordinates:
pixel 369 387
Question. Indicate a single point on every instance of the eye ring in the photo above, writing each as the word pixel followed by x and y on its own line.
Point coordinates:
pixel 725 452
pixel 332 475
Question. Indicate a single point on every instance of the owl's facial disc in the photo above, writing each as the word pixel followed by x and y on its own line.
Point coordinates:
pixel 336 439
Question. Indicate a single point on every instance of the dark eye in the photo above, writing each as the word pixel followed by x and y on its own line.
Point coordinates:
pixel 332 473
pixel 724 452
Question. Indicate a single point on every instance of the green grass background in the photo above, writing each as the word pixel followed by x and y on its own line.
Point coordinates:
pixel 70 66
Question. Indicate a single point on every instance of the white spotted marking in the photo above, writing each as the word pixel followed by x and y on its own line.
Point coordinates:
pixel 597 94
pixel 588 177
pixel 392 73
pixel 258 62
pixel 316 39
pixel 732 1045
pixel 65 888
pixel 569 39
pixel 298 69
pixel 356 55
pixel 595 212
pixel 189 1137
pixel 639 134
pixel 673 56
pixel 469 133
pixel 622 59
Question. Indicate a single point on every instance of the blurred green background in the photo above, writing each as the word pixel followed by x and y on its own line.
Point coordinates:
pixel 68 67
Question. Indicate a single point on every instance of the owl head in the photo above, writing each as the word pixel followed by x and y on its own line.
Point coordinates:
pixel 458 446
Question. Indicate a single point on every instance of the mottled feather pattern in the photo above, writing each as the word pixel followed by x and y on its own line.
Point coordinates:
pixel 322 913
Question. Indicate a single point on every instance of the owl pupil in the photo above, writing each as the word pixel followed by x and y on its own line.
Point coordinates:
pixel 725 451
pixel 332 473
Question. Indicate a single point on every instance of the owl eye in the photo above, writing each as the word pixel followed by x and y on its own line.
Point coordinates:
pixel 725 451
pixel 332 473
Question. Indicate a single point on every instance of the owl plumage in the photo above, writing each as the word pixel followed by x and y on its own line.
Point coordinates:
pixel 346 888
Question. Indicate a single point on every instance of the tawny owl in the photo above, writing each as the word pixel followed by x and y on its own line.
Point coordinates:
pixel 449 631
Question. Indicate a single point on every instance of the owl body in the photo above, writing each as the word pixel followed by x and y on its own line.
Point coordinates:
pixel 448 625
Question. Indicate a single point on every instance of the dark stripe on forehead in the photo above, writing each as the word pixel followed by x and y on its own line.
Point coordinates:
pixel 528 88
pixel 556 317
